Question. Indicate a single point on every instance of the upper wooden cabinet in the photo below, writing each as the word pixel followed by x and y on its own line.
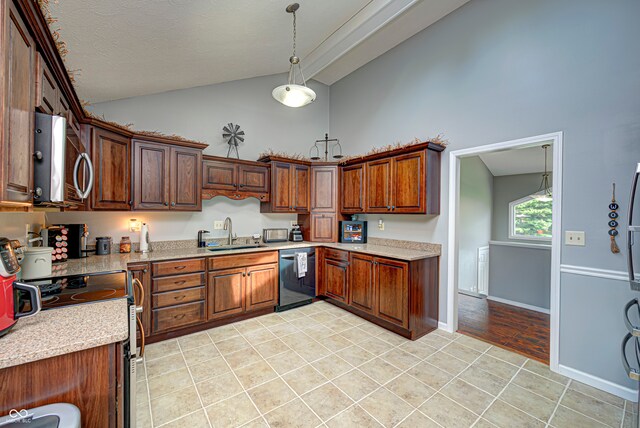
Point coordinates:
pixel 47 91
pixel 379 198
pixel 17 87
pixel 289 187
pixel 235 179
pixel 321 225
pixel 186 179
pixel 111 156
pixel 352 181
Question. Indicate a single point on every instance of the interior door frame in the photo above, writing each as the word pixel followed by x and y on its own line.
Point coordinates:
pixel 556 139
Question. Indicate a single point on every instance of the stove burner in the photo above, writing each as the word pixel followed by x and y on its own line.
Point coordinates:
pixel 50 300
pixel 50 289
pixel 77 283
pixel 85 296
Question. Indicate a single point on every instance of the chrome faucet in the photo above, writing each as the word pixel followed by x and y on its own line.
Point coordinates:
pixel 228 225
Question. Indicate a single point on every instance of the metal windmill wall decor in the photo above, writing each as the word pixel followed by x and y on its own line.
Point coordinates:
pixel 233 136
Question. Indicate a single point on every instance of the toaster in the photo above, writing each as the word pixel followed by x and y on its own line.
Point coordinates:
pixel 275 235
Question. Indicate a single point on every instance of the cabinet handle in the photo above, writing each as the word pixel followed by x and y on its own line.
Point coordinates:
pixel 179 317
pixel 180 297
pixel 179 267
pixel 180 282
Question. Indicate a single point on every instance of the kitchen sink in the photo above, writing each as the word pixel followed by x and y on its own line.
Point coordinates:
pixel 235 247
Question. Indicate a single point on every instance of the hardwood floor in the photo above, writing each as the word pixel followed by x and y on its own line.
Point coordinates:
pixel 519 330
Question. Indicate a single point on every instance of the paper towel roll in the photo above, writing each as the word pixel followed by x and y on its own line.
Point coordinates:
pixel 144 238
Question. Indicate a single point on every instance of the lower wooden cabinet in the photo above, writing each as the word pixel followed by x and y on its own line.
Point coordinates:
pixel 361 279
pixel 336 277
pixel 226 292
pixel 261 289
pixel 391 285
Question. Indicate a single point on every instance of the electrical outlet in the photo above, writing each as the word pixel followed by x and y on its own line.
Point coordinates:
pixel 294 223
pixel 218 225
pixel 380 224
pixel 574 238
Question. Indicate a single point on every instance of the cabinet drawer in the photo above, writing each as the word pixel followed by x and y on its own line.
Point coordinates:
pixel 178 282
pixel 331 253
pixel 239 260
pixel 178 297
pixel 176 267
pixel 178 316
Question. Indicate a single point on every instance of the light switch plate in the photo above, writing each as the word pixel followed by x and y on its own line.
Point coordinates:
pixel 380 225
pixel 217 225
pixel 574 238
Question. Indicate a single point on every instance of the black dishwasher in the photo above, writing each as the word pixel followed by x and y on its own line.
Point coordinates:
pixel 296 290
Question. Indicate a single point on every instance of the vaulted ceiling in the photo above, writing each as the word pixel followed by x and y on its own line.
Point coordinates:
pixel 126 48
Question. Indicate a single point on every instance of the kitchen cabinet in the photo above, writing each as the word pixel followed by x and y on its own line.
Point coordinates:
pixel 186 179
pixel 289 188
pixel 352 192
pixel 261 286
pixel 321 225
pixel 17 89
pixel 379 186
pixel 111 156
pixel 235 179
pixel 226 292
pixel 46 100
pixel 407 181
pixel 391 285
pixel 142 273
pixel 362 289
pixel 335 274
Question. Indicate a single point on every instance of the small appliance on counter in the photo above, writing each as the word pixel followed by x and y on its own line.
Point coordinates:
pixel 77 237
pixel 56 237
pixel 57 415
pixel 36 262
pixel 353 232
pixel 17 300
pixel 296 234
pixel 275 235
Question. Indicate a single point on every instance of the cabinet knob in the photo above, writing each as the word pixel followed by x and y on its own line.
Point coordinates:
pixel 393 207
pixel 166 204
pixel 389 207
pixel 144 270
pixel 244 274
pixel 242 185
pixel 173 204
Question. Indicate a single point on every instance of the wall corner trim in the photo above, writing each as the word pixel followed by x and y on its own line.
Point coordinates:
pixel 519 305
pixel 596 382
pixel 444 326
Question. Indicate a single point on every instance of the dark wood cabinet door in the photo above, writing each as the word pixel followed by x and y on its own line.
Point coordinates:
pixel 281 188
pixel 18 60
pixel 409 193
pixel 111 154
pixel 225 292
pixel 379 186
pixel 300 195
pixel 324 188
pixel 219 175
pixel 392 284
pixel 150 176
pixel 352 189
pixel 335 277
pixel 46 88
pixel 324 227
pixel 186 179
pixel 261 286
pixel 253 178
pixel 361 282
pixel 142 273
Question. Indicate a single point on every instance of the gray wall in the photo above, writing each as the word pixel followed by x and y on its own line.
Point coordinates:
pixel 507 189
pixel 497 70
pixel 520 274
pixel 476 182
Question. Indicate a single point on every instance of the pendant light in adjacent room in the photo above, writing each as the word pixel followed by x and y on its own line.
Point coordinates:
pixel 293 94
pixel 544 192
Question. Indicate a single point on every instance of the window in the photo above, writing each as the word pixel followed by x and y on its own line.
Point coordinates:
pixel 530 218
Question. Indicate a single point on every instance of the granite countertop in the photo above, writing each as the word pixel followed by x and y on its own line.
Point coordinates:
pixel 400 250
pixel 64 330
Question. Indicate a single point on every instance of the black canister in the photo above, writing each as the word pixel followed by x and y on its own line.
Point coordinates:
pixel 103 245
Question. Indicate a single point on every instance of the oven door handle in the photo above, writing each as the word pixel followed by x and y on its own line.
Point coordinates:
pixel 139 304
pixel 140 357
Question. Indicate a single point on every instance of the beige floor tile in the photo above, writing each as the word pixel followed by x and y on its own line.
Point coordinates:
pixel 356 384
pixel 232 345
pixel 372 329
pixel 430 375
pixel 496 367
pixel 297 341
pixel 214 367
pixel 172 406
pixel 434 340
pixel 461 352
pixel 312 352
pixel 322 317
pixel 286 362
pixel 271 320
pixel 310 309
pixel 270 395
pixel 141 371
pixel 528 402
pixel 467 395
pixel 401 359
pixel 410 389
pixel 447 413
pixel 419 349
pixel 232 412
pixel 332 366
pixel 327 401
pixel 380 370
pixel 596 393
pixel 293 414
pixel 543 370
pixel 354 416
pixel 629 420
pixel 248 326
pixel 292 315
pixel 304 379
pixel 143 415
pixel 283 329
pixel 447 363
pixel 161 349
pixel 164 365
pixel 335 342
pixel 225 332
pixel 505 416
pixel 504 355
pixel 255 374
pixel 630 406
pixel 194 341
pixel 259 336
pixel 376 346
pixel 356 335
pixel 271 348
pixel 168 383
pixel 256 423
pixel 484 380
pixel 470 342
pixel 446 334
pixel 355 355
pixel 193 420
pixel 353 319
pixel 483 423
pixel 198 355
pixel 142 391
pixel 338 325
pixel 540 385
pixel 243 358
pixel 599 410
pixel 567 418
pixel 386 407
pixel 218 388
pixel 392 338
pixel 418 420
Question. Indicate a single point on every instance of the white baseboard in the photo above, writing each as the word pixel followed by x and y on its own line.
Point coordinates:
pixel 596 382
pixel 444 326
pixel 520 305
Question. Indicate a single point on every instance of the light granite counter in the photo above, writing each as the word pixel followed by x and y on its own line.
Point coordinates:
pixel 64 330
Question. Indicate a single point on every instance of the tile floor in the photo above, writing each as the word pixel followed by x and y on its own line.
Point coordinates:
pixel 321 366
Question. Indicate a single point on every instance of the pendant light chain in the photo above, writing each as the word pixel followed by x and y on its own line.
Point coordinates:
pixel 294 33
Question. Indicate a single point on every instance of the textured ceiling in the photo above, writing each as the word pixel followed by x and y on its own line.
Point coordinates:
pixel 125 48
pixel 518 161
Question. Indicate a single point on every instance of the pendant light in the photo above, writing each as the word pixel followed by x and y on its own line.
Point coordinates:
pixel 293 94
pixel 544 191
